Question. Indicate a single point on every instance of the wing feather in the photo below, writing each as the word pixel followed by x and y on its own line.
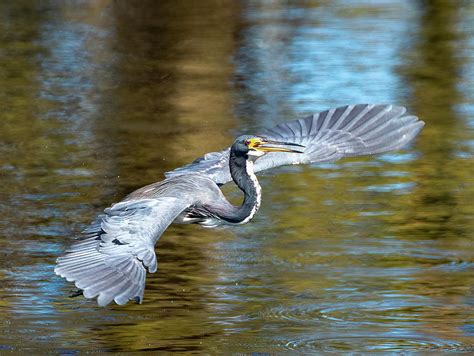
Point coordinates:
pixel 346 131
pixel 111 263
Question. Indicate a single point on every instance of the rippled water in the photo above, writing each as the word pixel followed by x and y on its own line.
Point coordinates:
pixel 367 254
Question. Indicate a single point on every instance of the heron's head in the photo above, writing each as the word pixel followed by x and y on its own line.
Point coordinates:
pixel 256 146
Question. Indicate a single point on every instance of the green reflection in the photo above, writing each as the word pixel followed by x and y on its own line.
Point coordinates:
pixel 440 205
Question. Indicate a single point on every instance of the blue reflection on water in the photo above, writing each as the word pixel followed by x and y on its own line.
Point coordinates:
pixel 294 61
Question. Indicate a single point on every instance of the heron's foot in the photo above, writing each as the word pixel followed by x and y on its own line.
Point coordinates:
pixel 75 293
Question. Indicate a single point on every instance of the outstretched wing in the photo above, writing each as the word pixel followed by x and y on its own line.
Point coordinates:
pixel 112 261
pixel 350 130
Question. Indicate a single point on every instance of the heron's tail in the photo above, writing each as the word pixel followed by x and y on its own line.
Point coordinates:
pixel 118 277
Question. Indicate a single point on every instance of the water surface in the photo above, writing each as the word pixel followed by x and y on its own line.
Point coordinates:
pixel 367 254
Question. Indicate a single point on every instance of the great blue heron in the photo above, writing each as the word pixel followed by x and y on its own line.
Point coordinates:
pixel 117 249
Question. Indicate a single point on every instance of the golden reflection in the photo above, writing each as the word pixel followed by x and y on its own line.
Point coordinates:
pixel 169 93
pixel 441 205
pixel 171 70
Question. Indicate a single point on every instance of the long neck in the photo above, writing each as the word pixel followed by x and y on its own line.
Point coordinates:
pixel 241 170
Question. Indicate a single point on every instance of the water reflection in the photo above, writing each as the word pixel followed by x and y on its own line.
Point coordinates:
pixel 433 70
pixel 367 254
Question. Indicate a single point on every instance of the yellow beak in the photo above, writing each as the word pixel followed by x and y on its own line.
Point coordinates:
pixel 265 145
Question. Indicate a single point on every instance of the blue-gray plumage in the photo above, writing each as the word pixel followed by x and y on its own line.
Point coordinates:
pixel 117 250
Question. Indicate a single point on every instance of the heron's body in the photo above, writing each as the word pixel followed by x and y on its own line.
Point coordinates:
pixel 117 250
pixel 206 192
pixel 209 207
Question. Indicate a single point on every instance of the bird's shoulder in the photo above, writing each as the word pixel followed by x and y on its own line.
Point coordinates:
pixel 180 186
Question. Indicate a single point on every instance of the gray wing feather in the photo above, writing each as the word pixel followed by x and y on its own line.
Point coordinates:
pixel 346 131
pixel 214 165
pixel 112 261
pixel 351 130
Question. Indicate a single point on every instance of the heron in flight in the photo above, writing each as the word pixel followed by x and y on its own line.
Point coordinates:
pixel 112 258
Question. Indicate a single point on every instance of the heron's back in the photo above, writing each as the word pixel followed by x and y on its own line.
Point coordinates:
pixel 199 186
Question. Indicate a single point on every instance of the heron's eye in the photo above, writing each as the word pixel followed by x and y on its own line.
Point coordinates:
pixel 247 142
